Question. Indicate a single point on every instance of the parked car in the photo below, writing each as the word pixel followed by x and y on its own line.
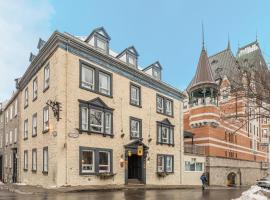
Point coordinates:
pixel 264 182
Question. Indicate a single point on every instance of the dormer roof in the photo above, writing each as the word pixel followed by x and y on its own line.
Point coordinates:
pixel 131 50
pixel 153 65
pixel 99 31
pixel 32 57
pixel 40 43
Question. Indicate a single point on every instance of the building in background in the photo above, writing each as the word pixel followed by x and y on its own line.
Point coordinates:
pixel 234 150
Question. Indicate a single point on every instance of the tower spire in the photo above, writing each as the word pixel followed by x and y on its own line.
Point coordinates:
pixel 256 36
pixel 202 35
pixel 229 42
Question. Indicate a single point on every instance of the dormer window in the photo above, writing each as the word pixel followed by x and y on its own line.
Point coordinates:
pixel 131 60
pixel 154 70
pixel 129 56
pixel 101 45
pixel 99 38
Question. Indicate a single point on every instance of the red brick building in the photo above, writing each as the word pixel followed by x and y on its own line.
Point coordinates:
pixel 234 150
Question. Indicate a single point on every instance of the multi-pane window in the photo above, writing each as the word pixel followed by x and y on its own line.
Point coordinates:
pixel 165 133
pixel 34 125
pixel 15 135
pixel 7 116
pixel 135 128
pixel 131 60
pixel 87 77
pixel 101 44
pixel 95 160
pixel 193 165
pixel 35 88
pixel 84 117
pixel 94 79
pixel 165 163
pixel 45 159
pixel 104 83
pixel 104 161
pixel 11 113
pixel 95 119
pixel 135 95
pixel 45 119
pixel 6 139
pixel 10 137
pixel 156 74
pixel 25 160
pixel 10 160
pixel 16 108
pixel 25 128
pixel 87 161
pixel 46 77
pixel 34 160
pixel 26 97
pixel 164 105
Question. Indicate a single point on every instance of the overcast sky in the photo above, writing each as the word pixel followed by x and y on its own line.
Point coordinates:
pixel 168 31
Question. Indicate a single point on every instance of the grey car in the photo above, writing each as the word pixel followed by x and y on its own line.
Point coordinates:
pixel 264 182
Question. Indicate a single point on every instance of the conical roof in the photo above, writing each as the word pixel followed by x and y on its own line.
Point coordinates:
pixel 203 74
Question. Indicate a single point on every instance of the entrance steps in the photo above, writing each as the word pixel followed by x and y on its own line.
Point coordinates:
pixel 134 181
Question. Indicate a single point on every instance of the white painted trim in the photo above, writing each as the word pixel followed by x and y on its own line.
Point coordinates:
pixel 223 142
pixel 204 114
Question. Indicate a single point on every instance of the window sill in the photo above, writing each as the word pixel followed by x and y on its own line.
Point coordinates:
pixel 132 104
pixel 45 89
pixel 44 172
pixel 34 99
pixel 136 138
pixel 45 131
pixel 97 92
pixel 26 138
pixel 25 106
pixel 25 170
pixel 93 132
pixel 172 116
pixel 97 174
pixel 165 144
pixel 34 171
pixel 34 135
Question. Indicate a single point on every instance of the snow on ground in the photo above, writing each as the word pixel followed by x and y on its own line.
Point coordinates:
pixel 254 193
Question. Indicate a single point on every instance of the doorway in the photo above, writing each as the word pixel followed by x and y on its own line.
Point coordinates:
pixel 1 169
pixel 14 174
pixel 231 178
pixel 135 167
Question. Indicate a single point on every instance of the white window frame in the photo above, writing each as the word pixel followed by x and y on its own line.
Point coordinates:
pixel 45 160
pixel 46 82
pixel 102 47
pixel 164 167
pixel 26 97
pixel 10 160
pixel 85 84
pixel 7 139
pixel 109 162
pixel 135 133
pixel 104 90
pixel 168 105
pixel 101 126
pixel 135 99
pixel 108 123
pixel 34 159
pixel 84 118
pixel 25 160
pixel 10 137
pixel 35 88
pixel 34 125
pixel 25 128
pixel 46 125
pixel 16 108
pixel 160 105
pixel 160 168
pixel 15 135
pixel 92 166
pixel 11 112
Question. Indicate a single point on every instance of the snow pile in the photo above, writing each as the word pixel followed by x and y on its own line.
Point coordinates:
pixel 1 183
pixel 254 193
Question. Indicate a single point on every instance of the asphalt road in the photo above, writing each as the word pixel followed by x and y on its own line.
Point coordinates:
pixel 184 194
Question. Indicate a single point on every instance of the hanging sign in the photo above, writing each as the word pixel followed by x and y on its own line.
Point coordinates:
pixel 140 151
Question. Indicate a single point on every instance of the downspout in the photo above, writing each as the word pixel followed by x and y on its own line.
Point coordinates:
pixel 66 98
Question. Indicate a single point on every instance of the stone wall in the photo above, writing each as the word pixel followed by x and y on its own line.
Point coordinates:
pixel 247 172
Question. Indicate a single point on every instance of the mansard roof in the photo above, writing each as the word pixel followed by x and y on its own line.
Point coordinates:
pixel 101 32
pixel 131 50
pixel 224 64
pixel 204 73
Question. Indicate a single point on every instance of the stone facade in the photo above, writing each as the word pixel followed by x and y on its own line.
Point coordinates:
pixel 64 138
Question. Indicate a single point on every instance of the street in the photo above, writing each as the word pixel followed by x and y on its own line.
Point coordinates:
pixel 183 194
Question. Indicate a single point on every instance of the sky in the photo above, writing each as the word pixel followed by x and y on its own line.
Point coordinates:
pixel 168 31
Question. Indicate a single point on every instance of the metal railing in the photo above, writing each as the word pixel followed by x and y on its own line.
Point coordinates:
pixel 194 149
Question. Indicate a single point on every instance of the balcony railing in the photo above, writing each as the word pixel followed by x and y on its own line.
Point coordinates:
pixel 194 149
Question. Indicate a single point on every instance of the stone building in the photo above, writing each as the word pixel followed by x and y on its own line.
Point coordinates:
pixel 90 116
pixel 233 150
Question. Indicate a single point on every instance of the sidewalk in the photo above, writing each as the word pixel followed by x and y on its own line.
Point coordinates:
pixel 27 189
